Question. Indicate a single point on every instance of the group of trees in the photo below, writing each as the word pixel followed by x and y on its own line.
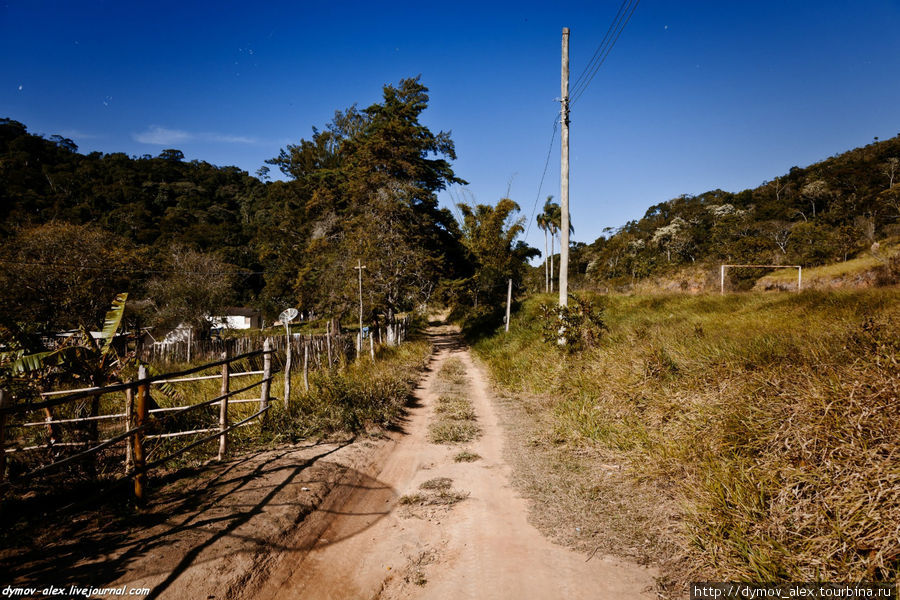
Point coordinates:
pixel 185 238
pixel 825 212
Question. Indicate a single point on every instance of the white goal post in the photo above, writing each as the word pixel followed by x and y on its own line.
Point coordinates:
pixel 798 267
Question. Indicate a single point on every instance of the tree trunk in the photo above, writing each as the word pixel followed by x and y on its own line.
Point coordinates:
pixel 551 261
pixel 546 266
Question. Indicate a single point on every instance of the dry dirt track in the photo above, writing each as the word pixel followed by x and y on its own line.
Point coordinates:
pixel 365 544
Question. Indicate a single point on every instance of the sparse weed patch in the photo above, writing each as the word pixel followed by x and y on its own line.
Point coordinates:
pixel 439 483
pixel 454 419
pixel 459 409
pixel 450 431
pixel 453 371
pixel 466 456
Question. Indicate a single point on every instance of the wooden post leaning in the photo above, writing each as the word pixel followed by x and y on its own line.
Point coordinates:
pixel 137 440
pixel 223 404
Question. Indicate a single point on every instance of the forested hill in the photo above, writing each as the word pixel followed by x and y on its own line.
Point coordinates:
pixel 362 188
pixel 148 201
pixel 822 213
pixel 186 238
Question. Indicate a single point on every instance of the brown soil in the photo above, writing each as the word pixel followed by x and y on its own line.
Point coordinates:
pixel 340 520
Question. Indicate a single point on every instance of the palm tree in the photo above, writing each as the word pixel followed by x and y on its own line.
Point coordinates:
pixel 543 222
pixel 553 213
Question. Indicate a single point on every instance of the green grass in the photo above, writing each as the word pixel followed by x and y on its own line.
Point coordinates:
pixel 771 419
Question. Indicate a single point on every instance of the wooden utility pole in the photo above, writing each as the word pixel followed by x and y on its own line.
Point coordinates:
pixel 564 176
pixel 359 267
pixel 508 301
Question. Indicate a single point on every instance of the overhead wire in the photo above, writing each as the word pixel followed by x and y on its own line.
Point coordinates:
pixel 602 53
pixel 543 175
pixel 600 47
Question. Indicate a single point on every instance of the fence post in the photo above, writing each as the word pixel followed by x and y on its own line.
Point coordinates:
pixel 328 341
pixel 267 374
pixel 129 415
pixel 3 402
pixel 306 366
pixel 372 345
pixel 288 365
pixel 223 405
pixel 137 440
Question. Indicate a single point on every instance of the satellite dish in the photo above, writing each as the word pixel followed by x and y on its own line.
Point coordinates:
pixel 288 315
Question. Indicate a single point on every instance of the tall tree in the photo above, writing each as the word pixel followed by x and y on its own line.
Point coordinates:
pixel 489 234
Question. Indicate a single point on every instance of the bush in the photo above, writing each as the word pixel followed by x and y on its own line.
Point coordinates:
pixel 581 323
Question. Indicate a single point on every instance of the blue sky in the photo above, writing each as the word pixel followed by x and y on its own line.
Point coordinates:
pixel 696 95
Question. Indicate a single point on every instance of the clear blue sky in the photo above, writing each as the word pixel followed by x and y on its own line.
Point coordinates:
pixel 696 95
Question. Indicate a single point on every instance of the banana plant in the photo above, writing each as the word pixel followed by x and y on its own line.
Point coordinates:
pixel 80 358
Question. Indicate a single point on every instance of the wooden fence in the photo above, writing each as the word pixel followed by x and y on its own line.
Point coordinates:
pixel 140 423
pixel 322 349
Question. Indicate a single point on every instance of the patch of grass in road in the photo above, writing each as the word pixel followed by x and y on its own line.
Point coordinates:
pixel 449 431
pixel 438 483
pixel 436 492
pixel 455 421
pixel 466 456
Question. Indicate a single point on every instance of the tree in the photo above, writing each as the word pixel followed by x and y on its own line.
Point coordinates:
pixel 196 286
pixel 891 168
pixel 367 188
pixel 673 237
pixel 489 234
pixel 815 192
pixel 58 276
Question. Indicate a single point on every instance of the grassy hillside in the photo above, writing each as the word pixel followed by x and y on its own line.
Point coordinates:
pixel 810 216
pixel 756 433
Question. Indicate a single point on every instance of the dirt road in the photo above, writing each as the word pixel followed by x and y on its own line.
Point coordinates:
pixel 367 543
pixel 344 520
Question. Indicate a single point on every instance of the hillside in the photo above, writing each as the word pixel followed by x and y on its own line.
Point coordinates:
pixel 826 212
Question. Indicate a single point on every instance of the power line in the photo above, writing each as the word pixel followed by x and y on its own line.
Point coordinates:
pixel 602 55
pixel 600 47
pixel 543 175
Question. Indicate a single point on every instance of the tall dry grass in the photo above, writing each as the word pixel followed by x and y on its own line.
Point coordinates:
pixel 771 420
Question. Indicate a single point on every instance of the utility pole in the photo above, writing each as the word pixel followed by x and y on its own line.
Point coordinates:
pixel 564 176
pixel 359 267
